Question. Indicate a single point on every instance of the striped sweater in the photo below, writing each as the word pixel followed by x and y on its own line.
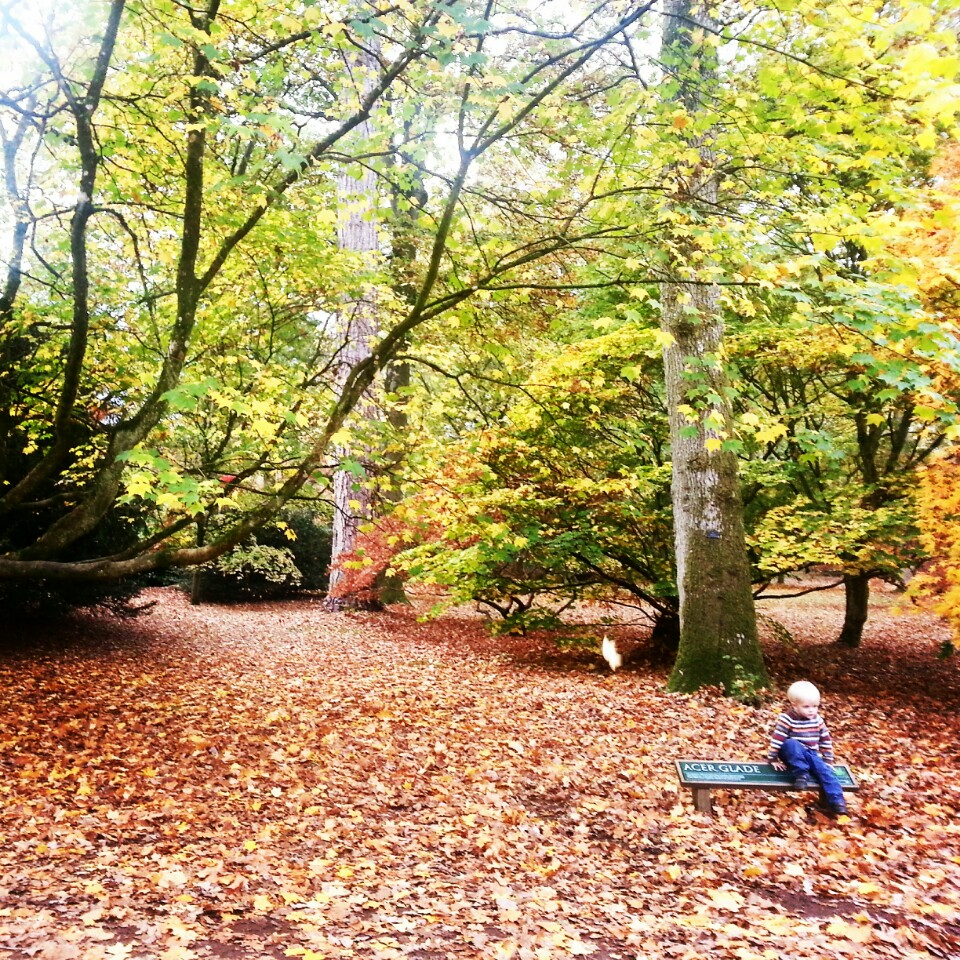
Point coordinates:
pixel 811 733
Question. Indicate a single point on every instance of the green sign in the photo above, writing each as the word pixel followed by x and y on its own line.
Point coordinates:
pixel 734 773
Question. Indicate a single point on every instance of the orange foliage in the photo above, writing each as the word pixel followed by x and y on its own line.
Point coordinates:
pixel 363 568
pixel 932 240
pixel 933 244
pixel 938 509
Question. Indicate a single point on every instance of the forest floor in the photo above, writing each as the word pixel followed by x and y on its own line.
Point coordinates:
pixel 271 781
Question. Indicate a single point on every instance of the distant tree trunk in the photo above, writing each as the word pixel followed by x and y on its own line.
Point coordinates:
pixel 13 348
pixel 719 644
pixel 856 586
pixel 665 635
pixel 396 379
pixel 357 232
pixel 857 595
pixel 196 576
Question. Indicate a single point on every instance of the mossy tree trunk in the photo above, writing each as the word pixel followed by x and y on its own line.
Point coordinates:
pixel 719 645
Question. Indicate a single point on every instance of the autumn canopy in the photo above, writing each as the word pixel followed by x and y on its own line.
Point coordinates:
pixel 650 303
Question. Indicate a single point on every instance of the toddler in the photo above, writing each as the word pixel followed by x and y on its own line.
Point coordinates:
pixel 801 744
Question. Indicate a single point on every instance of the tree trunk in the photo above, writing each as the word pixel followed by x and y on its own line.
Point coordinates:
pixel 357 233
pixel 665 636
pixel 389 587
pixel 196 576
pixel 719 644
pixel 406 204
pixel 857 595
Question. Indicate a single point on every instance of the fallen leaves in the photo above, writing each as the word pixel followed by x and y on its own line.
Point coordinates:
pixel 278 781
pixel 858 933
pixel 726 899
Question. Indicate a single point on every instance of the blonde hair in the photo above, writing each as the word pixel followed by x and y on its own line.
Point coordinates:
pixel 803 691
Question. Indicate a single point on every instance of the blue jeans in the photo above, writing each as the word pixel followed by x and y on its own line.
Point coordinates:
pixel 801 761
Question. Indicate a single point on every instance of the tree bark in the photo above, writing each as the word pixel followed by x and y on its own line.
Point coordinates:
pixel 13 345
pixel 857 601
pixel 719 644
pixel 357 232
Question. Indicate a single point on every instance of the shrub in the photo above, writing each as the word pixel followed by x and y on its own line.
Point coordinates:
pixel 282 560
pixel 256 570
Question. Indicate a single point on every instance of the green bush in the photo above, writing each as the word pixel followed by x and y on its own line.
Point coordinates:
pixel 257 570
pixel 282 560
pixel 310 545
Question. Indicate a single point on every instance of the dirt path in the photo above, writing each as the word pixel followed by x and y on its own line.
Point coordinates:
pixel 247 782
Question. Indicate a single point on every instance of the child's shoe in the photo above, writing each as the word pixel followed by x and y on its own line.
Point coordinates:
pixel 802 783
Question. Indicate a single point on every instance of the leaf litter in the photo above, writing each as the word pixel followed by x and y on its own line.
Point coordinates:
pixel 277 781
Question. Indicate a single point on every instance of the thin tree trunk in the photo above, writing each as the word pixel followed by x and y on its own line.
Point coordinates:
pixel 857 596
pixel 13 346
pixel 196 576
pixel 406 205
pixel 389 587
pixel 719 645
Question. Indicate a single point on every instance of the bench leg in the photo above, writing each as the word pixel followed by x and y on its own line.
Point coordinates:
pixel 701 800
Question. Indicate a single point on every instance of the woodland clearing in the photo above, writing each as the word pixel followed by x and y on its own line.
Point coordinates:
pixel 270 781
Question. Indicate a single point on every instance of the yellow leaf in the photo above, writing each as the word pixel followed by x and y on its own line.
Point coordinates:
pixel 262 428
pixel 850 931
pixel 508 909
pixel 771 433
pixel 262 902
pixel 917 20
pixel 823 242
pixel 726 899
pixel 448 28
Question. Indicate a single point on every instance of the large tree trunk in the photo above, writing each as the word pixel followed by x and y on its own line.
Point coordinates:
pixel 358 233
pixel 719 645
pixel 857 593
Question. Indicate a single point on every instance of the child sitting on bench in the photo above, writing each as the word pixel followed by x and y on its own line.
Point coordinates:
pixel 801 744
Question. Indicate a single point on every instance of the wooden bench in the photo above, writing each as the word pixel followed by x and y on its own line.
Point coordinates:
pixel 702 776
